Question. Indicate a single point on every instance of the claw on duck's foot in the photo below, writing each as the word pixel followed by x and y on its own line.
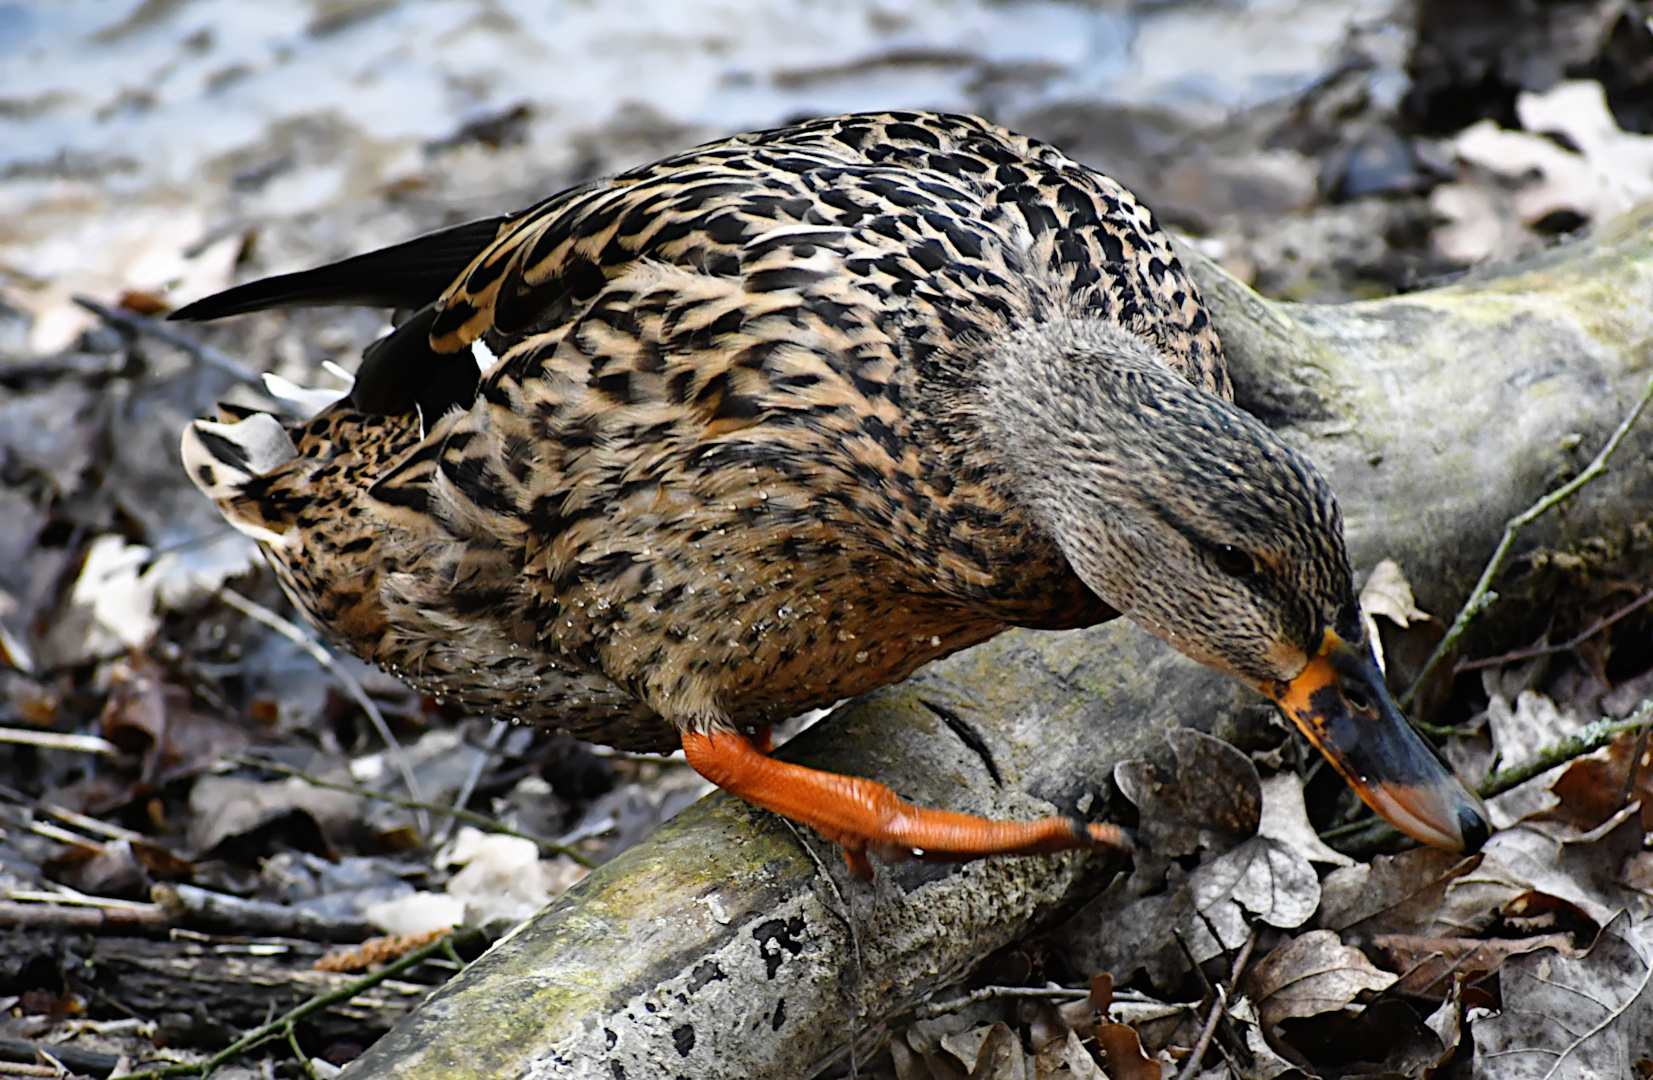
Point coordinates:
pixel 868 818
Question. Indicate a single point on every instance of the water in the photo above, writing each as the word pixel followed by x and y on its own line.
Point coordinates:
pixel 210 113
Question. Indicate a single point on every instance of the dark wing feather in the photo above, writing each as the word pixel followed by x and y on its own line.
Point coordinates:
pixel 408 275
pixel 401 370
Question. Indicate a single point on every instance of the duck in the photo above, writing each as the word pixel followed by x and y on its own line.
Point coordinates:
pixel 674 455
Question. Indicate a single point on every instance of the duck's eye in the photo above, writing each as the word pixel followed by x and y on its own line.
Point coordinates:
pixel 1231 560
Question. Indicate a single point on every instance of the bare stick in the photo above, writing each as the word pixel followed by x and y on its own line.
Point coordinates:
pixel 496 733
pixel 296 634
pixel 1191 1067
pixel 1534 651
pixel 52 740
pixel 991 993
pixel 161 332
pixel 231 914
pixel 35 916
pixel 1482 596
pixel 83 1062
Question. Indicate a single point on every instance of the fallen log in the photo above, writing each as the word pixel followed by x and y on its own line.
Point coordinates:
pixel 205 992
pixel 734 945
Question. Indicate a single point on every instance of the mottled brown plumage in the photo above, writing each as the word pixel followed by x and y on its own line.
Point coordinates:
pixel 774 422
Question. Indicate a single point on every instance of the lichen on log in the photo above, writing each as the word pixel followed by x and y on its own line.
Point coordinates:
pixel 732 944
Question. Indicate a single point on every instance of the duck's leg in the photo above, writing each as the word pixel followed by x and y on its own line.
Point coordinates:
pixel 864 815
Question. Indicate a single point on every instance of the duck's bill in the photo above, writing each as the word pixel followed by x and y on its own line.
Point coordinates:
pixel 1341 703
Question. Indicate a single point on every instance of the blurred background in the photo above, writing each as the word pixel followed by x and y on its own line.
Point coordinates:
pixel 154 151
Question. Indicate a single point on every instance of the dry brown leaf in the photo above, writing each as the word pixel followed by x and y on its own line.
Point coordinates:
pixel 1120 932
pixel 143 302
pixel 1521 730
pixel 1594 788
pixel 1393 894
pixel 106 869
pixel 1432 967
pixel 1637 873
pixel 998 1055
pixel 1611 171
pixel 1123 1053
pixel 1067 1059
pixel 146 715
pixel 1472 901
pixel 1572 1018
pixel 1387 593
pixel 1265 1063
pixel 1582 869
pixel 1447 1024
pixel 1101 995
pixel 1309 975
pixel 965 1045
pixel 1212 797
pixel 914 1064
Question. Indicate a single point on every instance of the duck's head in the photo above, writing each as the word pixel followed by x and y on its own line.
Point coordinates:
pixel 1192 518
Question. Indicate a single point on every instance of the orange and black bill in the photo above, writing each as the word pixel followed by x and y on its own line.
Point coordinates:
pixel 1341 703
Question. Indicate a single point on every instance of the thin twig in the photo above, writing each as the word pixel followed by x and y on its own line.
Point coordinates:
pixel 469 817
pixel 930 1009
pixel 496 733
pixel 298 1052
pixel 296 634
pixel 1584 741
pixel 53 740
pixel 278 1027
pixel 1532 652
pixel 1243 958
pixel 1482 596
pixel 161 332
pixel 1191 1067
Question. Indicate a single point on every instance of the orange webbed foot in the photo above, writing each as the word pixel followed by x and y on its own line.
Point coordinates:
pixel 866 817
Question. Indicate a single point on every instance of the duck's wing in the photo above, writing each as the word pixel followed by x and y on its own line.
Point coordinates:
pixel 942 195
pixel 401 371
pixel 407 275
pixel 1004 218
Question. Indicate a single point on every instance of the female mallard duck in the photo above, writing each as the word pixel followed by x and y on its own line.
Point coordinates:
pixel 779 419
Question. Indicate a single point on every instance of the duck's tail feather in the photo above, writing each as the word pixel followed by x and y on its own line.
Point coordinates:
pixel 408 275
pixel 401 370
pixel 227 461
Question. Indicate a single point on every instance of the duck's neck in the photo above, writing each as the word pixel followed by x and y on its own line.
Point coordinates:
pixel 1072 410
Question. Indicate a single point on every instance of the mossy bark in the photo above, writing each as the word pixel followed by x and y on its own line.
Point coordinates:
pixel 732 944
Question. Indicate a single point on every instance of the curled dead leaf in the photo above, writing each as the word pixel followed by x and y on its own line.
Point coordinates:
pixel 1309 975
pixel 1122 1050
pixel 1286 819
